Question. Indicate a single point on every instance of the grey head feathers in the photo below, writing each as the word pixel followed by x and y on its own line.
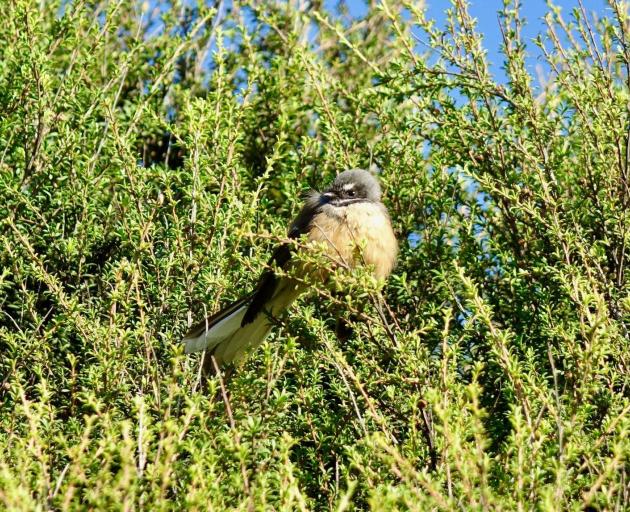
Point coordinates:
pixel 349 187
pixel 353 186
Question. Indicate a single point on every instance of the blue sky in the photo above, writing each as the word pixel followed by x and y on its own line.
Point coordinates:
pixel 485 11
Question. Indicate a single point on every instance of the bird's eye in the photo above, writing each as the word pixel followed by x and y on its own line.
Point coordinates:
pixel 351 193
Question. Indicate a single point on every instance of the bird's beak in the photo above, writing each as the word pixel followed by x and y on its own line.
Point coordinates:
pixel 328 197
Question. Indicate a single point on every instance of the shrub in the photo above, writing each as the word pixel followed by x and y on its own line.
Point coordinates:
pixel 152 154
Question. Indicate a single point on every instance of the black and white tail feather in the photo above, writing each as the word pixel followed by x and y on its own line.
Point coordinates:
pixel 242 326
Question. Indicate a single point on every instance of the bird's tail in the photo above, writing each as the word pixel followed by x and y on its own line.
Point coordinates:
pixel 224 334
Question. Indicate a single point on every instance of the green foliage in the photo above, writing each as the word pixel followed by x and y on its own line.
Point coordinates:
pixel 152 154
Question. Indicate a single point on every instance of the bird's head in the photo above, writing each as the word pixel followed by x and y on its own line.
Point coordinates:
pixel 353 186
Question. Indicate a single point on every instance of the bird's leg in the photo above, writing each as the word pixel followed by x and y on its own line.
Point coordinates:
pixel 343 327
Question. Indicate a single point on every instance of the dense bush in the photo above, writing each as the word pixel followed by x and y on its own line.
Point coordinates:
pixel 152 154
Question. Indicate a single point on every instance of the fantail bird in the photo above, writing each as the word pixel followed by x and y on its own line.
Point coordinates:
pixel 351 223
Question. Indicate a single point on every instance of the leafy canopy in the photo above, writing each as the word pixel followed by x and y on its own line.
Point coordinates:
pixel 153 153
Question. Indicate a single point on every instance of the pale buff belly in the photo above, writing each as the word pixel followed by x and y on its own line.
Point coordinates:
pixel 358 234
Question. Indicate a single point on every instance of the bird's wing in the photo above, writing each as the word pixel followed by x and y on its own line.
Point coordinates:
pixel 268 284
pixel 225 328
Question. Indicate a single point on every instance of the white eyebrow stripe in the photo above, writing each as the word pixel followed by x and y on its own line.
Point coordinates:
pixel 348 186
